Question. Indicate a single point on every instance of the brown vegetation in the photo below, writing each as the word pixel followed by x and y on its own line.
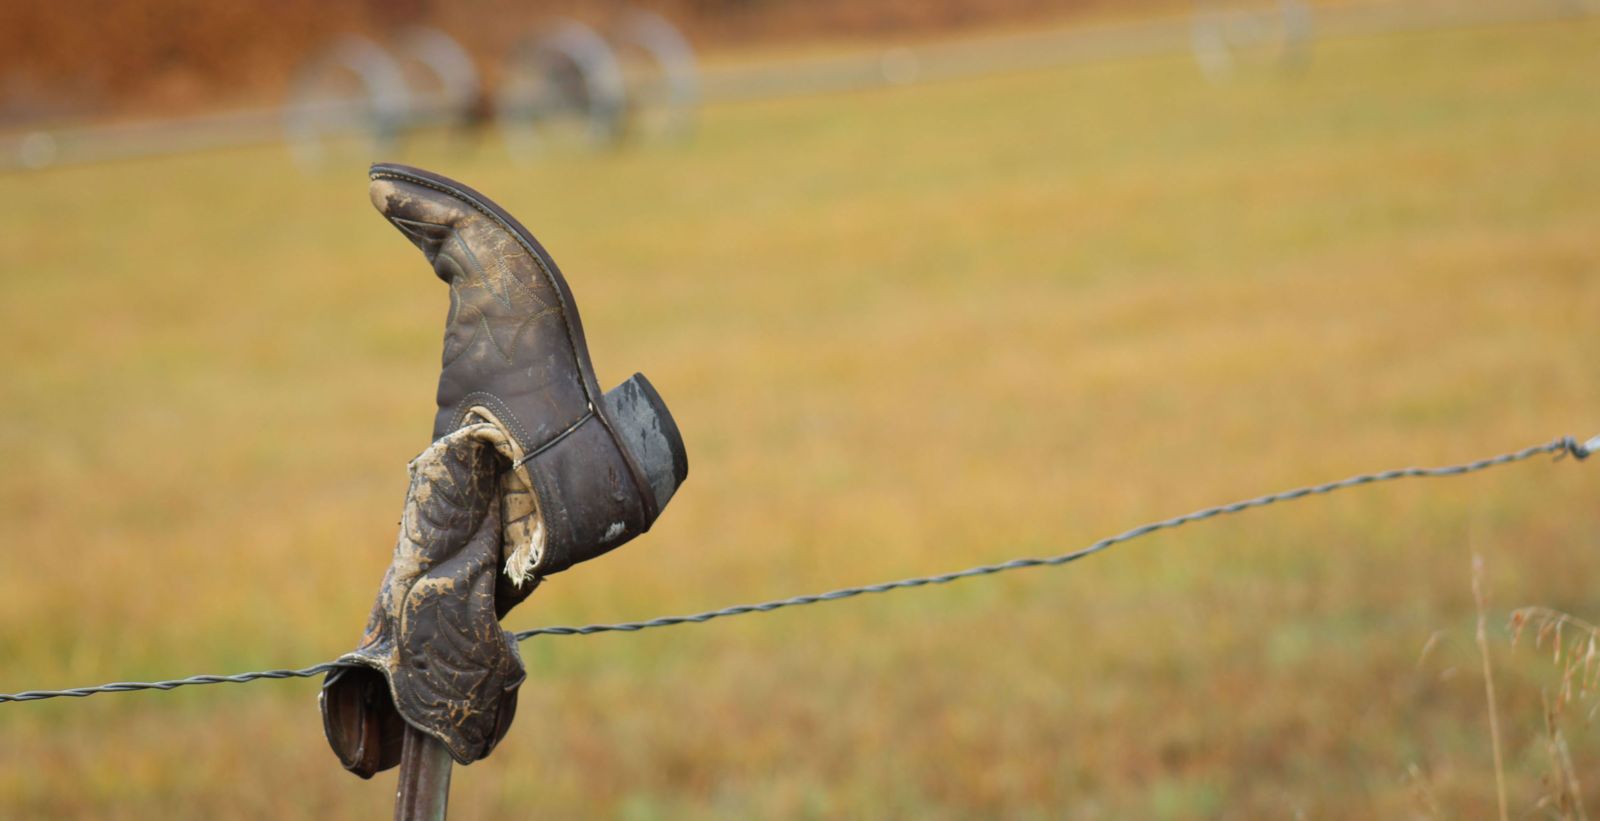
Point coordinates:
pixel 177 54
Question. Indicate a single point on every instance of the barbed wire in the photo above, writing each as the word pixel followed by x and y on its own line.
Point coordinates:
pixel 1564 446
pixel 172 684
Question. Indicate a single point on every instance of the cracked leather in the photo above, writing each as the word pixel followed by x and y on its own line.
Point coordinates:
pixel 532 470
pixel 434 637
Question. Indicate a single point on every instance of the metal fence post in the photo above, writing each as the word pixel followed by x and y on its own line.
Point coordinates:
pixel 423 793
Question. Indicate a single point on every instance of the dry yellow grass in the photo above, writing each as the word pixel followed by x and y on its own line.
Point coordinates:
pixel 903 331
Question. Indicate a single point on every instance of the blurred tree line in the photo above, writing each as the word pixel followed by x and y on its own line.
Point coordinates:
pixel 74 57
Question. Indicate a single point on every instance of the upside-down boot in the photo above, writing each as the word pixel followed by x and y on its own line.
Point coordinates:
pixel 531 471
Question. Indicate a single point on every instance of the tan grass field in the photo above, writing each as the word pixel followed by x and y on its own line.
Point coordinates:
pixel 903 331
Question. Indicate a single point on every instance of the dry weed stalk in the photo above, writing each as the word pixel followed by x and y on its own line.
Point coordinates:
pixel 1574 645
pixel 1488 684
pixel 1422 791
pixel 1579 660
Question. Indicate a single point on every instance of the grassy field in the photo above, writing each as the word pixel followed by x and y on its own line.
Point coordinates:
pixel 903 332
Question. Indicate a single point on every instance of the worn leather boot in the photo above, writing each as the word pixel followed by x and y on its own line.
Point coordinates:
pixel 514 345
pixel 532 470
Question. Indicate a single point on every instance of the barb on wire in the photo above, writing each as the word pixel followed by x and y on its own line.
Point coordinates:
pixel 1562 447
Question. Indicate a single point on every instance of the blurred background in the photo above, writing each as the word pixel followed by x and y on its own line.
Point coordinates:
pixel 927 285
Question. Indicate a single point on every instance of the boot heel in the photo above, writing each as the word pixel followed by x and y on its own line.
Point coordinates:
pixel 648 431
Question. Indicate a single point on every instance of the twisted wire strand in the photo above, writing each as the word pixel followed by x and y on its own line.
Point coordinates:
pixel 1562 447
pixel 172 684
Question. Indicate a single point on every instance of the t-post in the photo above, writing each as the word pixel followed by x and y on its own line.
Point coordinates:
pixel 424 790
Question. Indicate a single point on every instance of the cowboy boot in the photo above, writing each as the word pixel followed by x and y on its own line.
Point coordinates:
pixel 514 347
pixel 532 470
